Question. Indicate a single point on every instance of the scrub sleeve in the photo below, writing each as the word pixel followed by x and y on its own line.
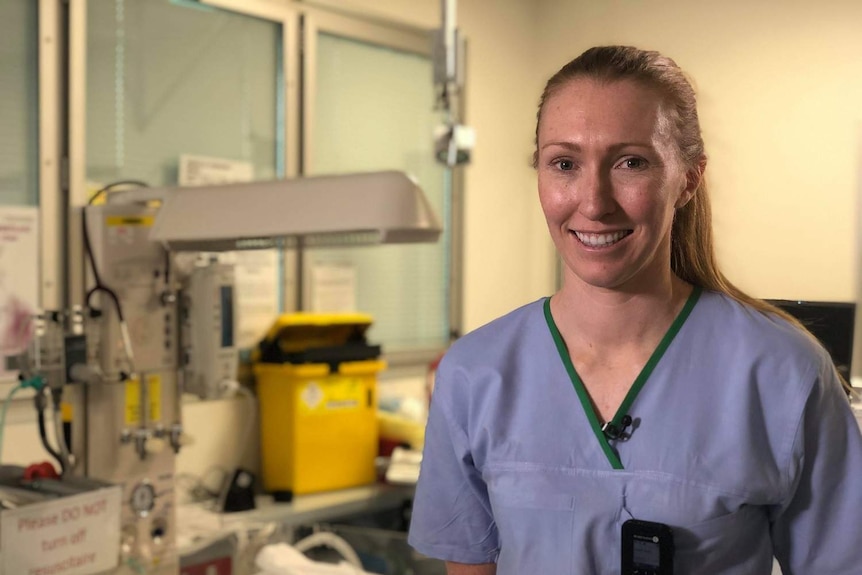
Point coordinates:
pixel 451 496
pixel 818 530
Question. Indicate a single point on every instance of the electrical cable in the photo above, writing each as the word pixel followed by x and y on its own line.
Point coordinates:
pixel 249 423
pixel 112 185
pixel 66 461
pixel 40 401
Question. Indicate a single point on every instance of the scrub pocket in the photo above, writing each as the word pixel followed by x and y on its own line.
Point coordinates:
pixel 535 529
pixel 714 533
pixel 735 543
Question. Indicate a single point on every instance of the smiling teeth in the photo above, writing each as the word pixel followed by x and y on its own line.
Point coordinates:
pixel 601 240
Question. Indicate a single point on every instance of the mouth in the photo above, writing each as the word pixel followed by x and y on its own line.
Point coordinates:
pixel 601 240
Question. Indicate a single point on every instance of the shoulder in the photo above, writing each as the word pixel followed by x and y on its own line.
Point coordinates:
pixel 499 339
pixel 757 361
pixel 485 360
pixel 733 327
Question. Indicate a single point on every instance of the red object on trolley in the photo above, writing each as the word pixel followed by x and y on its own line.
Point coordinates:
pixel 43 470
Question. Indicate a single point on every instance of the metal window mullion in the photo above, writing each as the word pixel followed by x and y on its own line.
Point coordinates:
pixel 76 161
pixel 310 32
pixel 292 64
pixel 291 70
pixel 50 158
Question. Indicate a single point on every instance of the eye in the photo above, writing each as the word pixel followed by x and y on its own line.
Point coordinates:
pixel 564 164
pixel 633 163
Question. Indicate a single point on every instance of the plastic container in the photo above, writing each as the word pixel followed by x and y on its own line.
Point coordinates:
pixel 317 388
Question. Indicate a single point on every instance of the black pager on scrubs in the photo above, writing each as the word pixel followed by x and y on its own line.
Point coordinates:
pixel 647 548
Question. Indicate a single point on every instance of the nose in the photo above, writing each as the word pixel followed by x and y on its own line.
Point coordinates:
pixel 596 195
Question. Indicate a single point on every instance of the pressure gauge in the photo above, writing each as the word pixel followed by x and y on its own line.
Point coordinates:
pixel 143 498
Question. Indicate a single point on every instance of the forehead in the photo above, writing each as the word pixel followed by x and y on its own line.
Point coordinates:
pixel 617 110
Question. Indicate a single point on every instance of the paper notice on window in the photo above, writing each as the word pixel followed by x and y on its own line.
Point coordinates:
pixel 19 277
pixel 256 272
pixel 207 171
pixel 333 288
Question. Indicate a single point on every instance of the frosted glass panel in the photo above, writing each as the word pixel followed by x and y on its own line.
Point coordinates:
pixel 374 110
pixel 19 68
pixel 165 80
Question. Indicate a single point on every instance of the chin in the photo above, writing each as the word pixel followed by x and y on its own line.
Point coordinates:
pixel 616 280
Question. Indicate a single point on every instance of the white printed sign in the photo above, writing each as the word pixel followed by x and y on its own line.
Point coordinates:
pixel 76 535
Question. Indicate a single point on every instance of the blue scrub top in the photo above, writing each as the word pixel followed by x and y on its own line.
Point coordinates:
pixel 743 442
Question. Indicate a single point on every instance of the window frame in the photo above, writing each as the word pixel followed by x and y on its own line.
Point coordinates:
pixel 405 38
pixel 51 209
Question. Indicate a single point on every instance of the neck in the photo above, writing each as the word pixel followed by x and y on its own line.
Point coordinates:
pixel 610 319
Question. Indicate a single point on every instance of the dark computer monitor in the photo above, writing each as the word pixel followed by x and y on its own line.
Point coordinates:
pixel 830 322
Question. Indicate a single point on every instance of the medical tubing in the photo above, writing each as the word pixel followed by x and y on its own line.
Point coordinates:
pixel 40 401
pixel 65 454
pixel 127 343
pixel 328 539
pixel 249 424
pixel 88 249
pixel 117 184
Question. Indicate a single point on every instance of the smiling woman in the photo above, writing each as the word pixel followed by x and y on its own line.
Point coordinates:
pixel 610 181
pixel 648 388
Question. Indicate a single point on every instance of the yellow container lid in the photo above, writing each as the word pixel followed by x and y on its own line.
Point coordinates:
pixel 293 333
pixel 299 321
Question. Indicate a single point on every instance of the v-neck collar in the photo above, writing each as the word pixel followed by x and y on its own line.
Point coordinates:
pixel 639 382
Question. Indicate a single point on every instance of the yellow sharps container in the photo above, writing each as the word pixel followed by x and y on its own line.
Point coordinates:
pixel 317 387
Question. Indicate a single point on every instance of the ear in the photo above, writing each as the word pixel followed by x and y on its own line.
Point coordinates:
pixel 693 179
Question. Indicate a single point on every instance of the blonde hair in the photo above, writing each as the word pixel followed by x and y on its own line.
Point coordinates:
pixel 692 246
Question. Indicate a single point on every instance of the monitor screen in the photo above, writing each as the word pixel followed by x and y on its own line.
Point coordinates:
pixel 830 322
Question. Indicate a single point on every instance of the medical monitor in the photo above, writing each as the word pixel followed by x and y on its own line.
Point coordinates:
pixel 830 322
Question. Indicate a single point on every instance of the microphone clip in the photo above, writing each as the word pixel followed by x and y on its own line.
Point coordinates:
pixel 614 431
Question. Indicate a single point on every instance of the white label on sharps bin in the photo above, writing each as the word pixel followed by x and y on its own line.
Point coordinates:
pixel 74 535
pixel 312 395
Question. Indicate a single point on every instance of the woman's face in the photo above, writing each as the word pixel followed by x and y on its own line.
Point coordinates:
pixel 609 181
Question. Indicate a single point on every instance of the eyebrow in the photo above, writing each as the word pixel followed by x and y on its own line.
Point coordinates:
pixel 613 148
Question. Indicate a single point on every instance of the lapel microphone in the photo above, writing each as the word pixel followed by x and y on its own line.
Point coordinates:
pixel 613 431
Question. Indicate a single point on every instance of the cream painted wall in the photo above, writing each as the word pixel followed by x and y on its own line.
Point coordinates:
pixel 780 88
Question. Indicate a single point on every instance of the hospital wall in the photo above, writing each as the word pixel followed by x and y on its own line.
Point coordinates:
pixel 780 93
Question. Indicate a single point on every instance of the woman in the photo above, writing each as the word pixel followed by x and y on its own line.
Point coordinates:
pixel 648 387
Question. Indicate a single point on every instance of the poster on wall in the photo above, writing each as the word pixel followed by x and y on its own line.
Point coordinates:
pixel 19 278
pixel 255 271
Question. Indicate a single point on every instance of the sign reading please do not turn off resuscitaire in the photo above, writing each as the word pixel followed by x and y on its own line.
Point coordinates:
pixel 75 535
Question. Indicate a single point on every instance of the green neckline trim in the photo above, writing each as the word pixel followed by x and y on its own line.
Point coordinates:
pixel 638 384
